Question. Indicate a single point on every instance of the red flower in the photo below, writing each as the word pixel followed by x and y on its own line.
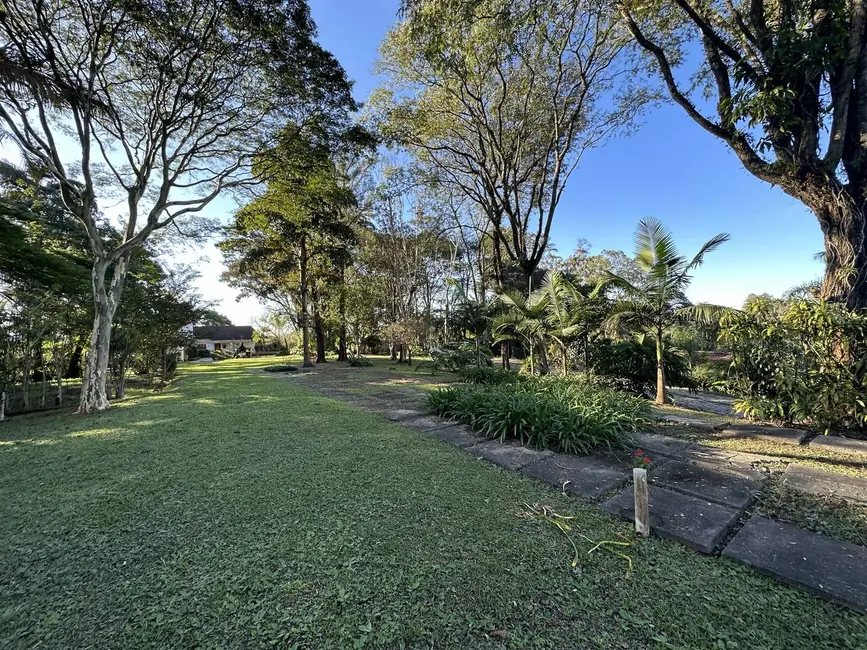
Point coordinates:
pixel 638 452
pixel 646 460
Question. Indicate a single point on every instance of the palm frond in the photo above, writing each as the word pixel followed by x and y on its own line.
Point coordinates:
pixel 653 244
pixel 613 280
pixel 708 246
pixel 704 313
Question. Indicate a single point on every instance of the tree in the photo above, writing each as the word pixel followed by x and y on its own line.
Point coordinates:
pixel 524 321
pixel 789 82
pixel 658 301
pixel 168 104
pixel 296 227
pixel 502 98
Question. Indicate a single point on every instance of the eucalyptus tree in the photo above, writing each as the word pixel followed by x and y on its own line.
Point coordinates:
pixel 503 97
pixel 165 105
pixel 787 84
pixel 657 301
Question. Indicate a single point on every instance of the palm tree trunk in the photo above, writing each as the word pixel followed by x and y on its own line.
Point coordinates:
pixel 661 393
pixel 543 358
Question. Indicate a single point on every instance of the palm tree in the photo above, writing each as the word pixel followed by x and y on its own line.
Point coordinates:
pixel 569 313
pixel 556 311
pixel 472 315
pixel 658 300
pixel 524 321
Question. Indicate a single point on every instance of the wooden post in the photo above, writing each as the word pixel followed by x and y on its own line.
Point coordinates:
pixel 642 514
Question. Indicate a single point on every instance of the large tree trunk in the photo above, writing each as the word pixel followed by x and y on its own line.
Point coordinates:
pixel 543 358
pixel 305 328
pixel 661 393
pixel 319 328
pixel 73 371
pixel 94 387
pixel 341 345
pixel 844 226
pixel 505 347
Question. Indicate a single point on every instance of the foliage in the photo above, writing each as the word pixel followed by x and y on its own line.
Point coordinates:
pixel 171 103
pixel 633 363
pixel 557 313
pixel 358 361
pixel 783 85
pixel 200 468
pixel 573 415
pixel 487 375
pixel 799 361
pixel 658 301
pixel 294 240
pixel 712 375
pixel 281 367
pixel 550 73
pixel 47 310
pixel 460 356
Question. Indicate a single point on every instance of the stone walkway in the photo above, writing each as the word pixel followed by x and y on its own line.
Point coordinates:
pixel 699 495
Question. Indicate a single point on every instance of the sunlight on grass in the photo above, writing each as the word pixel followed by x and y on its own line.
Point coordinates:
pixel 248 511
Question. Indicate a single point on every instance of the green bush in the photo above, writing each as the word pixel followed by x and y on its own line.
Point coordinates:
pixel 633 364
pixel 799 361
pixel 712 375
pixel 567 414
pixel 170 365
pixel 283 367
pixel 488 375
pixel 453 357
pixel 358 361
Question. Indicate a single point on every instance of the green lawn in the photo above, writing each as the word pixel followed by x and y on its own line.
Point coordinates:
pixel 241 510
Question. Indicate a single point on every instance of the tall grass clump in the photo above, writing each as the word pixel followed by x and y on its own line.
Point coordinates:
pixel 572 414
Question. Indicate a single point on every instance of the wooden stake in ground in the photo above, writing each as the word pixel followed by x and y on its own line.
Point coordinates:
pixel 642 513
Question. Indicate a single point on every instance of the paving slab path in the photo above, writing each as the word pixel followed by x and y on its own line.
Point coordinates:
pixel 703 401
pixel 699 523
pixel 824 483
pixel 840 444
pixel 698 494
pixel 821 565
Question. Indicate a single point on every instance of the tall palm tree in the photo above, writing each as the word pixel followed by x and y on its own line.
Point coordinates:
pixel 658 300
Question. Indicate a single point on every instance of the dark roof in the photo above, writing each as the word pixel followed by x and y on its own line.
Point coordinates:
pixel 224 332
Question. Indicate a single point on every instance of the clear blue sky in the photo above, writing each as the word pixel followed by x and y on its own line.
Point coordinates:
pixel 671 169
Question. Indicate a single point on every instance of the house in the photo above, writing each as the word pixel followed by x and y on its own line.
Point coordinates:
pixel 226 338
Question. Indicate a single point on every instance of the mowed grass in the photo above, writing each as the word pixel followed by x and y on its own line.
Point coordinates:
pixel 241 510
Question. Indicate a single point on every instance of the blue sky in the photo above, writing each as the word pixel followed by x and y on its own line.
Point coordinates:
pixel 670 169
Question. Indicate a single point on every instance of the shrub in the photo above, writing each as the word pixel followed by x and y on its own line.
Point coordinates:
pixel 459 356
pixel 170 365
pixel 488 375
pixel 572 415
pixel 358 361
pixel 712 375
pixel 799 361
pixel 634 364
pixel 283 367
